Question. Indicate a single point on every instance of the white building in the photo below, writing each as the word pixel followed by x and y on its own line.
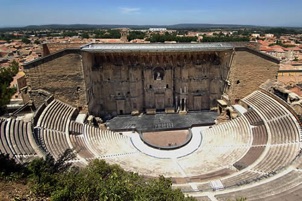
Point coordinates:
pixel 157 29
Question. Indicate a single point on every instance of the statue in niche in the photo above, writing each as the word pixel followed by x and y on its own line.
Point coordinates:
pixel 158 77
pixel 158 74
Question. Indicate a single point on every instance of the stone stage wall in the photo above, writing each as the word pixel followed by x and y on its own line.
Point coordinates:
pixel 119 83
pixel 114 83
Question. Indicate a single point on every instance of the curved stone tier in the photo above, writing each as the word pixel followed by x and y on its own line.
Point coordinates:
pixel 257 155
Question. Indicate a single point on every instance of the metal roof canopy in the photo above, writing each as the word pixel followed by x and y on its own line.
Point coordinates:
pixel 156 47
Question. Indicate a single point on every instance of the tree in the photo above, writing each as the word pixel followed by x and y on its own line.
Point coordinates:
pixel 10 169
pixel 136 35
pixel 37 42
pixel 45 173
pixel 171 37
pixel 85 35
pixel 112 33
pixel 57 180
pixel 69 33
pixel 6 77
pixel 25 40
pixel 101 181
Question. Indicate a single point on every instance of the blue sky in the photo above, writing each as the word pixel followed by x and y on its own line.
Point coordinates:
pixel 151 12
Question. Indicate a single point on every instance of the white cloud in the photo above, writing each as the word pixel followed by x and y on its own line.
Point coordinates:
pixel 127 10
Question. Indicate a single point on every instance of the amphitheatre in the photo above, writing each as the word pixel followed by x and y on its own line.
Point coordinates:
pixel 168 101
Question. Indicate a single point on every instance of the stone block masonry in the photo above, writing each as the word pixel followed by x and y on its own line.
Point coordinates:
pixel 61 74
pixel 249 69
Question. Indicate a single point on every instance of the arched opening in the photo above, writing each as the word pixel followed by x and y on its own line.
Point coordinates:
pixel 158 73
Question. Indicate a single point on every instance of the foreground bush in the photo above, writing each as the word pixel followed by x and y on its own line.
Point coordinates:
pixel 101 181
pixel 59 181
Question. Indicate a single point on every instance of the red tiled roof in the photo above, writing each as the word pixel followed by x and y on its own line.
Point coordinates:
pixel 277 49
pixel 296 90
pixel 265 48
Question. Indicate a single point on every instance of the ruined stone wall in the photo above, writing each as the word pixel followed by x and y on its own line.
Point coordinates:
pixel 50 48
pixel 249 69
pixel 60 74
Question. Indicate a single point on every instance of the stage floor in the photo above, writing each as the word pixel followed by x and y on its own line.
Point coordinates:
pixel 159 122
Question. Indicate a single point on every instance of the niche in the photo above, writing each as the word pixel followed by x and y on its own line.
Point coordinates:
pixel 158 73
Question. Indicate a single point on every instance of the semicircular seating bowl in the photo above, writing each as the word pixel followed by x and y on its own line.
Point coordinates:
pixel 251 155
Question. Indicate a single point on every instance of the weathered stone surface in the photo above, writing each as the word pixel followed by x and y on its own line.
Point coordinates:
pixel 50 48
pixel 119 83
pixel 113 83
pixel 62 76
pixel 248 71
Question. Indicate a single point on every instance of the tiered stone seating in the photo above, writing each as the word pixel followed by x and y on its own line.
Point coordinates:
pixel 237 130
pixel 260 135
pixel 277 157
pixel 80 146
pixel 146 165
pixel 184 188
pixel 76 128
pixel 283 129
pixel 204 187
pixel 271 189
pixel 291 194
pixel 54 142
pixel 26 131
pixel 14 139
pixel 268 107
pixel 253 117
pixel 217 174
pixel 52 126
pixel 56 116
pixel 242 178
pixel 104 143
pixel 247 152
pixel 275 134
pixel 249 158
pixel 203 198
pixel 4 142
pixel 227 141
pixel 37 114
pixel 38 135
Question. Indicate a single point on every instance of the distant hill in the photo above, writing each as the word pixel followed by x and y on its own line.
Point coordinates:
pixel 175 26
pixel 195 26
pixel 111 26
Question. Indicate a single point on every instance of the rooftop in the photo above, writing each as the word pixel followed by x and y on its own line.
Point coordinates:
pixel 156 47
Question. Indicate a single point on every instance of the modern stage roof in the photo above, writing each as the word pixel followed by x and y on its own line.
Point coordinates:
pixel 156 47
